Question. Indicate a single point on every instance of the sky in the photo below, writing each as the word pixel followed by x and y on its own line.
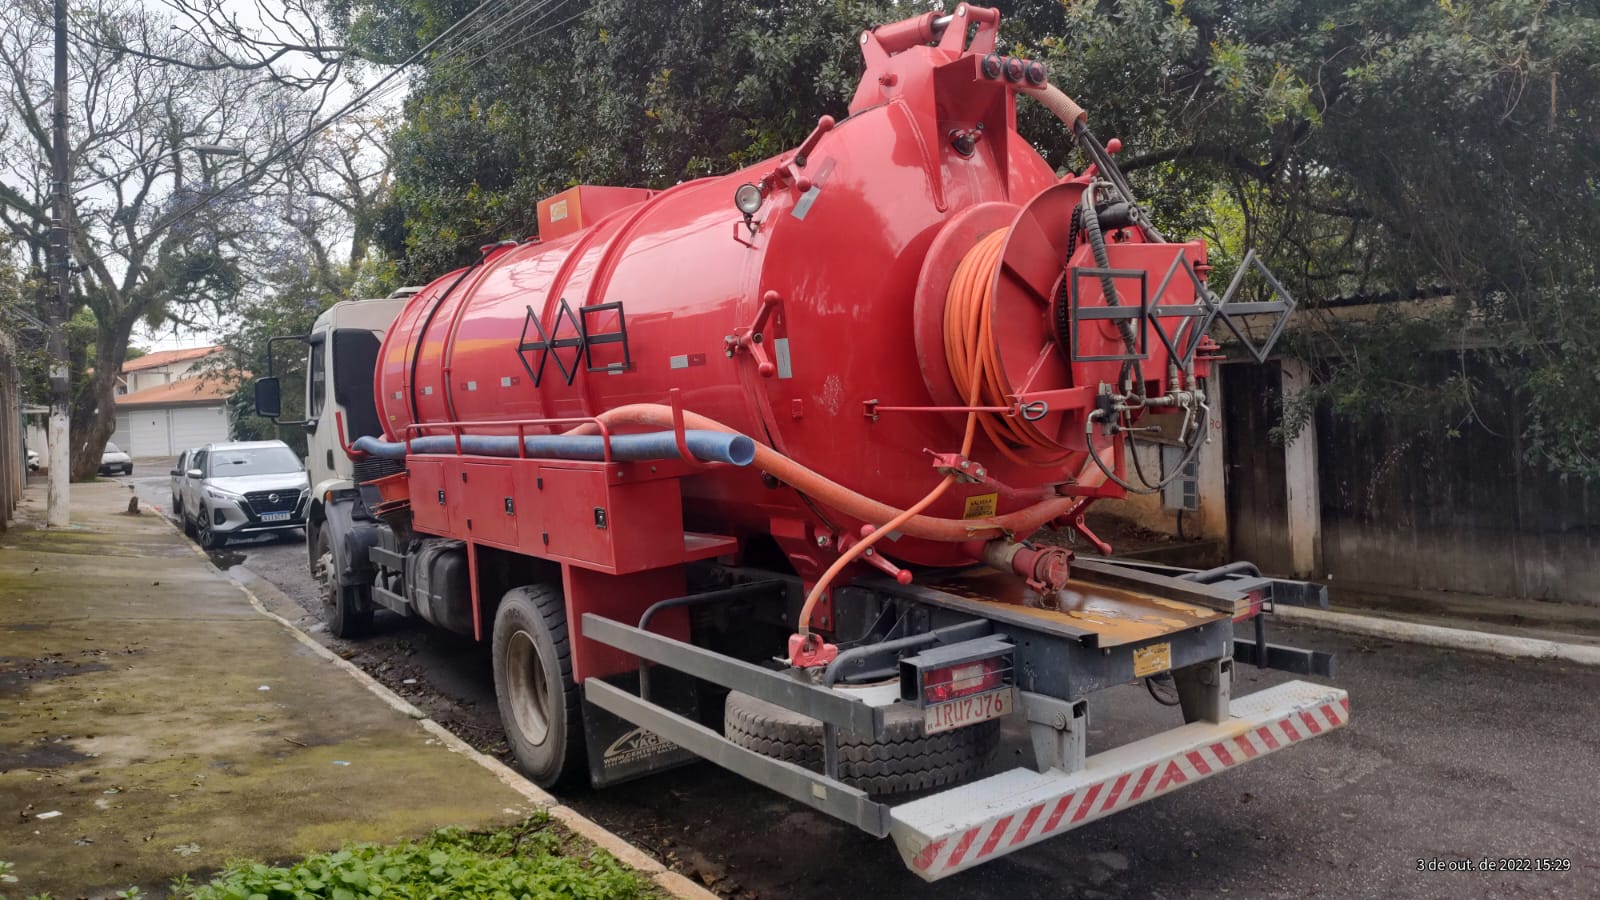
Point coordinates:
pixel 174 337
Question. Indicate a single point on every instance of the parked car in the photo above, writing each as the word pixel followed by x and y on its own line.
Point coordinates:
pixel 179 473
pixel 236 489
pixel 113 460
pixel 34 462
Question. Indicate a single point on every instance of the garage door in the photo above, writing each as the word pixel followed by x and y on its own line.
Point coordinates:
pixel 150 433
pixel 196 425
pixel 120 437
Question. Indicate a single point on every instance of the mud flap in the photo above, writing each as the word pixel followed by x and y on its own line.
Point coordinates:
pixel 622 751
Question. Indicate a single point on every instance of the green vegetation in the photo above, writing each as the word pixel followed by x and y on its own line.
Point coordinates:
pixel 536 859
pixel 1374 149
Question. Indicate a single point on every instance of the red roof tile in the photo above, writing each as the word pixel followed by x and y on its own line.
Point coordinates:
pixel 204 390
pixel 167 357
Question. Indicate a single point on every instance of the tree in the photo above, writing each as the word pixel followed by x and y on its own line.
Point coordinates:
pixel 148 243
pixel 1363 148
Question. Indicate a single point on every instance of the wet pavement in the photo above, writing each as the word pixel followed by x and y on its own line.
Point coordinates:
pixel 1449 756
pixel 153 723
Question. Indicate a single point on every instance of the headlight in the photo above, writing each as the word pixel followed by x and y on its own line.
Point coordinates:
pixel 220 494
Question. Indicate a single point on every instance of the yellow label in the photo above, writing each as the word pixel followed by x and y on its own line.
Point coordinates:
pixel 558 210
pixel 980 506
pixel 1152 660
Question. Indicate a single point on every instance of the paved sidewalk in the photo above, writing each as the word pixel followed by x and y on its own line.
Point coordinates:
pixel 152 722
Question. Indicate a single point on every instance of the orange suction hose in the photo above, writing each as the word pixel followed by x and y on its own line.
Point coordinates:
pixel 854 504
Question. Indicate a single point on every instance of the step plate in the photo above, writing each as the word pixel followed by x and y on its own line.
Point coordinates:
pixel 978 822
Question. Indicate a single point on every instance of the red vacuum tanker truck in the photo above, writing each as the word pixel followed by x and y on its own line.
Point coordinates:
pixel 784 469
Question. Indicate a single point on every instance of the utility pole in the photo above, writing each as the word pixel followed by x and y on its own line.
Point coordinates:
pixel 57 513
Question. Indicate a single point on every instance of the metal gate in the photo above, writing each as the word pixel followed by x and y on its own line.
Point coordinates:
pixel 1258 497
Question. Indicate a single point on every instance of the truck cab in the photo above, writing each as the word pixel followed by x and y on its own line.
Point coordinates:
pixel 341 353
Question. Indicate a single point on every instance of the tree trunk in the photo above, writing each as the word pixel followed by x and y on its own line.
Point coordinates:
pixel 94 409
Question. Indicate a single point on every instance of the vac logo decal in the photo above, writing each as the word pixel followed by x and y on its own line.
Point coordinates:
pixel 980 506
pixel 636 746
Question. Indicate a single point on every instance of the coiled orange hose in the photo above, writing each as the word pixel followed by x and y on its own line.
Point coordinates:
pixel 973 355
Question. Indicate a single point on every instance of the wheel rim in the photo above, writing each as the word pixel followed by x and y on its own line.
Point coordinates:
pixel 326 583
pixel 527 688
pixel 205 526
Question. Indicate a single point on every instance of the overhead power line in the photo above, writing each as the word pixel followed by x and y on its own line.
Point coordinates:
pixel 377 89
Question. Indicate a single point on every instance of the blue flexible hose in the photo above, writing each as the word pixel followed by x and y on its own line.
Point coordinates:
pixel 706 446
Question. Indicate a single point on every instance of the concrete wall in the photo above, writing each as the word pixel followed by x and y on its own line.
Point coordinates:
pixel 1461 509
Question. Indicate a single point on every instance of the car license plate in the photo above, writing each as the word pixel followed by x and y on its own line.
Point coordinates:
pixel 275 517
pixel 1152 660
pixel 967 711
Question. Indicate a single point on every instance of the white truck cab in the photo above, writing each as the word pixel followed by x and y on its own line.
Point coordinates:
pixel 341 356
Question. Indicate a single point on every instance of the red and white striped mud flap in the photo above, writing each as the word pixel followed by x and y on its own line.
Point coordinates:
pixel 975 823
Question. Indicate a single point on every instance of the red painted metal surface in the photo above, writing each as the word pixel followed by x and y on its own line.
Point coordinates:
pixel 834 302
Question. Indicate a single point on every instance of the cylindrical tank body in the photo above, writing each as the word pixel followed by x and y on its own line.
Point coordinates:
pixel 841 242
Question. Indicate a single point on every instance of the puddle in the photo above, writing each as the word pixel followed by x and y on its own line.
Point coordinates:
pixel 17 674
pixel 38 756
pixel 225 559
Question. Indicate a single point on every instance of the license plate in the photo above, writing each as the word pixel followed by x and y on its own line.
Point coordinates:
pixel 967 711
pixel 275 517
pixel 1152 660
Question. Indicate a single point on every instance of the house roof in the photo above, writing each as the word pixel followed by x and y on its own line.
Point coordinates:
pixel 205 390
pixel 167 357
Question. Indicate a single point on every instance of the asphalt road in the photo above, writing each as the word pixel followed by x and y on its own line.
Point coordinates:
pixel 1449 756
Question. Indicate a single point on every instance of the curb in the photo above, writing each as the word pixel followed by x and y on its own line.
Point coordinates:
pixel 629 854
pixel 1440 636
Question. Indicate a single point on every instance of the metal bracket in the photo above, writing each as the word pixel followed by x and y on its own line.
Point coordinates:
pixel 749 338
pixel 1059 730
pixel 1205 690
pixel 590 338
pixel 1081 313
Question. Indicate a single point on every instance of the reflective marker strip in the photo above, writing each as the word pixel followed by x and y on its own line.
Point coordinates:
pixel 1013 829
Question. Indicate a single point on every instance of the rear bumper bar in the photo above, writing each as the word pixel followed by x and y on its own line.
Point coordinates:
pixel 975 823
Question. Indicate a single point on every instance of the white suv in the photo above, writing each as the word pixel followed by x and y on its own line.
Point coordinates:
pixel 235 489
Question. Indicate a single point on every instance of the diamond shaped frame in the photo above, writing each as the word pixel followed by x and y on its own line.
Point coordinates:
pixel 525 346
pixel 1231 308
pixel 1204 309
pixel 548 344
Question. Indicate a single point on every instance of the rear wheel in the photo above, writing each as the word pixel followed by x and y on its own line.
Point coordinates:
pixel 347 608
pixel 905 760
pixel 188 523
pixel 533 685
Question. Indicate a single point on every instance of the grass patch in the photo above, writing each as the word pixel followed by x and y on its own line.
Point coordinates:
pixel 537 858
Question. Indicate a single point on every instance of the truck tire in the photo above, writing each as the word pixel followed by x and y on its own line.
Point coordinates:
pixel 905 760
pixel 533 686
pixel 347 608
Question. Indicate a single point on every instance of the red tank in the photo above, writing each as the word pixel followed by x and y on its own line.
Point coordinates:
pixel 835 323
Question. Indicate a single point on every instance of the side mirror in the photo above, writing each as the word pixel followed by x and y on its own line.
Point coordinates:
pixel 269 403
pixel 196 473
pixel 174 472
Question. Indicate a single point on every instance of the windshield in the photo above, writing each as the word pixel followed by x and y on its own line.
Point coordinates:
pixel 254 461
pixel 111 448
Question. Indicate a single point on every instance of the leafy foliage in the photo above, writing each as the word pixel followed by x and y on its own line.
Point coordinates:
pixel 529 860
pixel 1386 150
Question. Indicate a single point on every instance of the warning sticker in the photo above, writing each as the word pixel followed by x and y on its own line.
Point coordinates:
pixel 558 210
pixel 980 506
pixel 1151 660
